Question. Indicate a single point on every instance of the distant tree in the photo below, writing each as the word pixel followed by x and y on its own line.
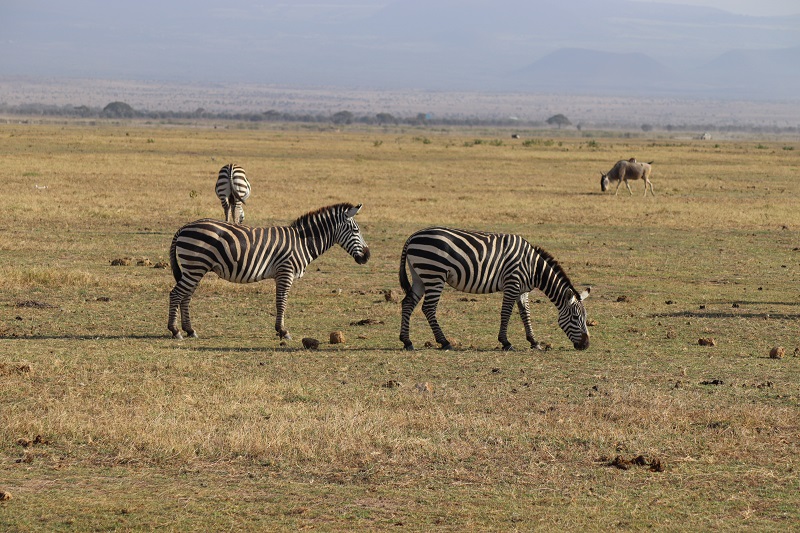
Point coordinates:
pixel 558 120
pixel 83 111
pixel 385 118
pixel 342 117
pixel 647 127
pixel 118 110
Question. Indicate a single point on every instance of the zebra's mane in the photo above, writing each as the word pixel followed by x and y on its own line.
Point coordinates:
pixel 557 268
pixel 303 219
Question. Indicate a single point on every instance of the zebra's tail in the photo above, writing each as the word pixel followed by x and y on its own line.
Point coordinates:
pixel 404 283
pixel 173 259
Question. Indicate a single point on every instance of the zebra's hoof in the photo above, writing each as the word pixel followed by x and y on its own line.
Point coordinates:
pixel 508 348
pixel 446 347
pixel 537 346
pixel 191 334
pixel 177 336
pixel 408 347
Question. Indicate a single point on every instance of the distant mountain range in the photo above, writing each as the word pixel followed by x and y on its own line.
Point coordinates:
pixel 572 46
pixel 737 73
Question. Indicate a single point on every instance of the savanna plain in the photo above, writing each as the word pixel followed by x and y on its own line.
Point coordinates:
pixel 107 423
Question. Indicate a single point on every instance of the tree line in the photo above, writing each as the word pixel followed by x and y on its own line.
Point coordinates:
pixel 122 110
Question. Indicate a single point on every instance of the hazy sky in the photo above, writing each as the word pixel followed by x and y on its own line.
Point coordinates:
pixel 744 7
pixel 427 44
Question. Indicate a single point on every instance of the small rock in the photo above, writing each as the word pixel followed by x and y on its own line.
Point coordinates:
pixel 622 298
pixel 121 261
pixel 366 322
pixel 145 262
pixel 5 496
pixel 591 323
pixel 310 344
pixel 777 352
pixel 735 306
pixel 392 384
pixel 337 337
pixel 709 341
pixel 161 265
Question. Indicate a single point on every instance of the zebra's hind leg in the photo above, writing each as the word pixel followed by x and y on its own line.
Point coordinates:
pixel 432 295
pixel 412 298
pixel 525 315
pixel 178 299
pixel 238 213
pixel 226 208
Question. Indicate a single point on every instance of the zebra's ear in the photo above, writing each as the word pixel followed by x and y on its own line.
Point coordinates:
pixel 585 294
pixel 353 211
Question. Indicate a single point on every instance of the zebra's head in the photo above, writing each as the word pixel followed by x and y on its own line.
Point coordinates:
pixel 603 182
pixel 348 235
pixel 572 319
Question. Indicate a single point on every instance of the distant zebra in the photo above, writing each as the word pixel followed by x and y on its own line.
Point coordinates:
pixel 242 254
pixel 479 263
pixel 233 190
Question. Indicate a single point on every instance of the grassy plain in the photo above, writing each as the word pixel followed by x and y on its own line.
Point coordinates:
pixel 233 431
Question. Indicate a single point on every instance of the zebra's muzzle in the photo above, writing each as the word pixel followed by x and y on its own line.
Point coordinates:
pixel 583 344
pixel 363 258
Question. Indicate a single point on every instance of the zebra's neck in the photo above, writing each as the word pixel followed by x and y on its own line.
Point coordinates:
pixel 316 238
pixel 550 278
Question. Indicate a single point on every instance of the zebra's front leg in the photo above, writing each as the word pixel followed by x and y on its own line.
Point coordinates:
pixel 409 304
pixel 525 315
pixel 432 296
pixel 509 297
pixel 283 282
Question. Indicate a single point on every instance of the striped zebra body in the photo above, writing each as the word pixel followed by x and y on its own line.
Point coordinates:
pixel 233 190
pixel 479 263
pixel 242 254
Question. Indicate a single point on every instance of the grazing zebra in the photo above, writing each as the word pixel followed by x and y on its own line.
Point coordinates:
pixel 233 190
pixel 242 254
pixel 479 263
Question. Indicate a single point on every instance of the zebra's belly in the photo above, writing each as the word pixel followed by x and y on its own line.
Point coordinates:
pixel 244 275
pixel 471 286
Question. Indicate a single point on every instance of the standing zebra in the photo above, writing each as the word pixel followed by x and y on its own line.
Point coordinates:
pixel 242 254
pixel 233 190
pixel 479 263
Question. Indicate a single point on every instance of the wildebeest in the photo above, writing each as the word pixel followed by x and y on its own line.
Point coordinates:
pixel 626 170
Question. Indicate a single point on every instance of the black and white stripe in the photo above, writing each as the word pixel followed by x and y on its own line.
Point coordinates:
pixel 233 190
pixel 242 254
pixel 479 262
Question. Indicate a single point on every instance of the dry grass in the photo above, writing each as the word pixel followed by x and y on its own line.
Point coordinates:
pixel 234 431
